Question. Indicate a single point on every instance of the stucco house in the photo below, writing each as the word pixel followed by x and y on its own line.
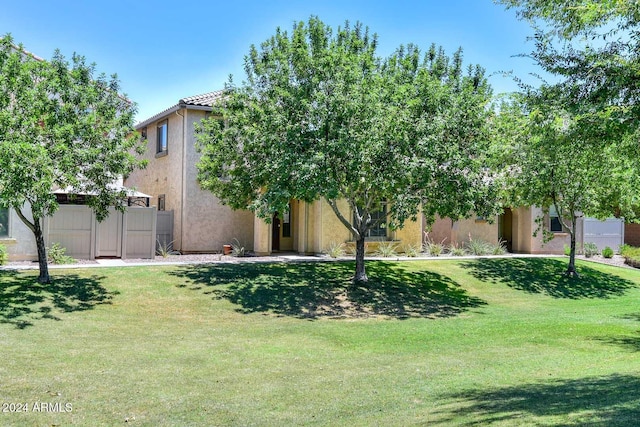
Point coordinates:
pixel 201 223
pixel 515 228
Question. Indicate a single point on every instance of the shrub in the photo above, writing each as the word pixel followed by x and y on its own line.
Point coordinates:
pixel 629 251
pixel 456 250
pixel 4 256
pixel 386 249
pixel 479 247
pixel 56 255
pixel 237 250
pixel 499 249
pixel 567 250
pixel 631 255
pixel 590 249
pixel 165 249
pixel 412 250
pixel 335 250
pixel 607 252
pixel 433 248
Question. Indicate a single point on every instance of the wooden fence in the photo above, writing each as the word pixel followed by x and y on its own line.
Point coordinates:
pixel 131 234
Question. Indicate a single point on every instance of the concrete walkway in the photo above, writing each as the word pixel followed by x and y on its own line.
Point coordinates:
pixel 217 259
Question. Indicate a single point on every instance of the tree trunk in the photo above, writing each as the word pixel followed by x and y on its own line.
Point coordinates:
pixel 42 253
pixel 361 274
pixel 36 229
pixel 571 268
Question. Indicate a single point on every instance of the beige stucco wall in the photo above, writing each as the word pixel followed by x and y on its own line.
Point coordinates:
pixel 472 228
pixel 163 174
pixel 443 230
pixel 556 245
pixel 409 234
pixel 261 237
pixel 200 223
pixel 316 227
pixel 208 224
pixel 306 227
pixel 525 225
pixel 329 229
pixel 439 231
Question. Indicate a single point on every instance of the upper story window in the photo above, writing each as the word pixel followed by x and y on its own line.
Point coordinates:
pixel 161 202
pixel 4 222
pixel 162 137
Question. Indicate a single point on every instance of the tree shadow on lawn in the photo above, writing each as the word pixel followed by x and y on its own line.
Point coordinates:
pixel 545 276
pixel 23 300
pixel 631 343
pixel 313 290
pixel 612 400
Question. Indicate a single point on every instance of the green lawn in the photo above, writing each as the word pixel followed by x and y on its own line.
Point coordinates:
pixel 482 342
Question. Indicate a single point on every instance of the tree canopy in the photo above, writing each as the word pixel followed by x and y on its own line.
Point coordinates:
pixel 551 159
pixel 322 117
pixel 61 126
pixel 591 46
pixel 576 148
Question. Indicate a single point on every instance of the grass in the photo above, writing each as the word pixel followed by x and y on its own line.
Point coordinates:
pixel 484 342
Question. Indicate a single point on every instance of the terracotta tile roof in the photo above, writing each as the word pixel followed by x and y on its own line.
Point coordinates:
pixel 206 99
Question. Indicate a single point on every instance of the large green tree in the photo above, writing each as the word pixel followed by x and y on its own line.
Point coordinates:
pixel 584 124
pixel 61 126
pixel 553 159
pixel 321 116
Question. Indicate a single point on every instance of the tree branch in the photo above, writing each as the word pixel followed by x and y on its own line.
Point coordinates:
pixel 342 219
pixel 561 216
pixel 26 222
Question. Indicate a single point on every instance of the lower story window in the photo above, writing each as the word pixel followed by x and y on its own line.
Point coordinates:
pixel 555 224
pixel 378 230
pixel 161 202
pixel 4 222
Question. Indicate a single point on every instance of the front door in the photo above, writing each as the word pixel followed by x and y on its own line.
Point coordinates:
pixel 282 231
pixel 505 228
pixel 275 233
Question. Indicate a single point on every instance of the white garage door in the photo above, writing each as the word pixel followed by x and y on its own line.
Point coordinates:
pixel 609 232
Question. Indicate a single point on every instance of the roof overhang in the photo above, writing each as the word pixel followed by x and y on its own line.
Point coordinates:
pixel 130 191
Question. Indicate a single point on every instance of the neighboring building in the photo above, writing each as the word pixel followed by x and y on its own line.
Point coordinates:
pixel 515 228
pixel 201 223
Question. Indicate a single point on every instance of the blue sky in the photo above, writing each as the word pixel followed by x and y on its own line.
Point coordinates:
pixel 166 50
